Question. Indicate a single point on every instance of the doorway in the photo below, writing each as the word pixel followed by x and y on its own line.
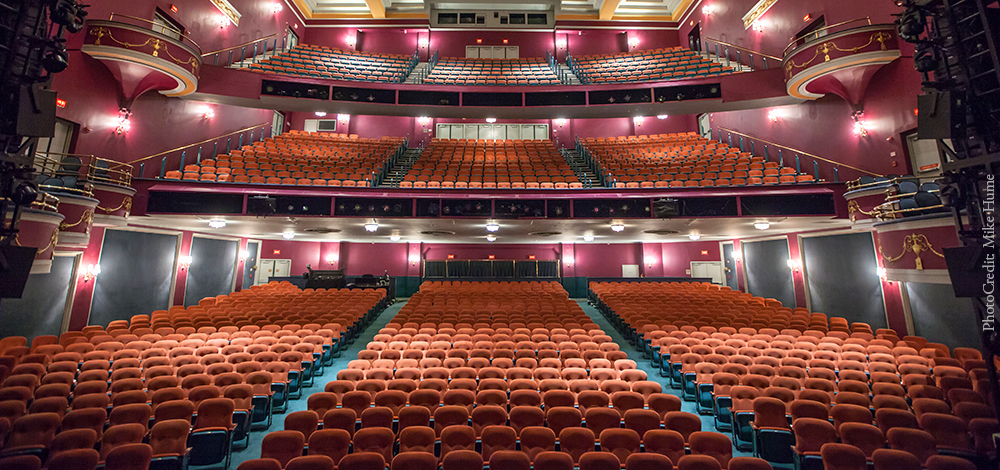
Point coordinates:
pixel 291 39
pixel 709 269
pixel 250 264
pixel 705 126
pixel 269 268
pixel 694 38
pixel 729 267
pixel 277 124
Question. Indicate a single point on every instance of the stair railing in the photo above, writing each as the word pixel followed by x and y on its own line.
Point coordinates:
pixel 256 50
pixel 738 56
pixel 176 158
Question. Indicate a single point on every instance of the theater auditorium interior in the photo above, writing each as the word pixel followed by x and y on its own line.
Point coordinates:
pixel 379 235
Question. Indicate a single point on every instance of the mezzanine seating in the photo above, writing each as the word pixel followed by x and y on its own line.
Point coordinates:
pixel 324 62
pixel 682 160
pixel 460 71
pixel 491 164
pixel 643 66
pixel 299 158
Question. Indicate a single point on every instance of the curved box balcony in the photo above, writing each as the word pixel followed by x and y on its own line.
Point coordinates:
pixel 38 228
pixel 912 248
pixel 78 213
pixel 115 205
pixel 862 201
pixel 142 59
pixel 841 62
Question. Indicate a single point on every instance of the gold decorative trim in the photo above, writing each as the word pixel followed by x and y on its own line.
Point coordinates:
pixel 756 12
pixel 827 47
pixel 52 242
pixel 155 43
pixel 913 243
pixel 853 208
pixel 87 217
pixel 126 204
pixel 229 10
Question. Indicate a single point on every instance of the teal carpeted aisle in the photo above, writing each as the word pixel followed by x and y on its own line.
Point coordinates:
pixel 252 451
pixel 707 423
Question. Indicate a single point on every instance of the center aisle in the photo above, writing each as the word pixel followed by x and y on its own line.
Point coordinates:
pixel 252 450
pixel 653 374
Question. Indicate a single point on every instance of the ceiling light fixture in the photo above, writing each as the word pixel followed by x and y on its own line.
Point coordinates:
pixel 662 116
pixel 491 238
pixel 371 227
pixel 694 236
pixel 321 113
pixel 588 238
pixel 492 227
pixel 761 225
pixel 217 223
pixel 288 235
pixel 491 120
pixel 617 227
pixel 394 238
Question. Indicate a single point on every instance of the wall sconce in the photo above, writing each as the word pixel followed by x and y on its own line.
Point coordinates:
pixel 422 43
pixel 561 43
pixel 882 274
pixel 633 42
pixel 737 256
pixel 650 261
pixel 568 260
pixel 208 112
pixel 638 120
pixel 860 125
pixel 124 124
pixel 223 21
pixel 772 116
pixel 244 255
pixel 793 264
pixel 423 120
pixel 90 272
pixel 758 26
pixel 351 41
pixel 414 259
pixel 332 258
pixel 559 122
pixel 184 262
pixel 277 8
pixel 707 10
pixel 343 118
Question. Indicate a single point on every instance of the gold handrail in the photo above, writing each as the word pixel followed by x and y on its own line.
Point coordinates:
pixel 170 27
pixel 240 45
pixel 825 28
pixel 817 157
pixel 856 184
pixel 199 143
pixel 769 56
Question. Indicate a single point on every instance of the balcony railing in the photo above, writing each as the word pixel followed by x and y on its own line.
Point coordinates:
pixel 785 155
pixel 176 158
pixel 76 173
pixel 739 57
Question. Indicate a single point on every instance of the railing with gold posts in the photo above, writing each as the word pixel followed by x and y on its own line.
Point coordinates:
pixel 76 173
pixel 158 28
pixel 176 158
pixel 250 52
pixel 904 196
pixel 806 38
pixel 739 57
pixel 801 158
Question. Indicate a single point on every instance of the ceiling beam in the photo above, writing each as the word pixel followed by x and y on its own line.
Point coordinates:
pixel 608 8
pixel 377 8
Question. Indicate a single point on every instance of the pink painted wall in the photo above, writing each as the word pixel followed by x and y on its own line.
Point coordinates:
pixel 374 258
pixel 301 253
pixel 888 103
pixel 605 260
pixel 440 251
pixel 530 44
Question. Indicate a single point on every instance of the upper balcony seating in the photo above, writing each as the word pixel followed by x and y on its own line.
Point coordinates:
pixel 460 71
pixel 335 64
pixel 491 164
pixel 298 158
pixel 656 65
pixel 683 161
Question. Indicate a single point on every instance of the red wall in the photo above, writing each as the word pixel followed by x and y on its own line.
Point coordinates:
pixel 374 258
pixel 440 251
pixel 674 259
pixel 604 260
pixel 823 127
pixel 300 252
pixel 530 44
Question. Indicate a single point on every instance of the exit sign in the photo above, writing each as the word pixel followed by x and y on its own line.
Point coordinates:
pixel 451 256
pixel 276 252
pixel 492 257
pixel 704 252
pixel 531 256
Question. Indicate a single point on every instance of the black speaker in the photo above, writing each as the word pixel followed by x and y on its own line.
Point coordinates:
pixel 940 115
pixel 971 270
pixel 665 208
pixel 15 265
pixel 261 205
